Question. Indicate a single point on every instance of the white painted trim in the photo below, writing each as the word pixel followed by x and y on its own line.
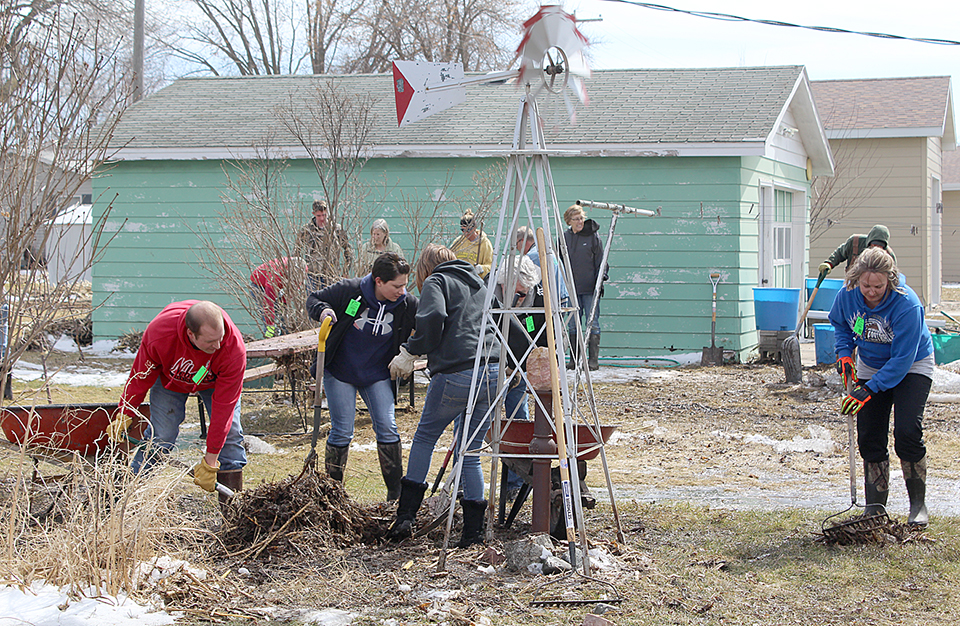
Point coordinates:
pixel 885 133
pixel 753 148
pixel 950 187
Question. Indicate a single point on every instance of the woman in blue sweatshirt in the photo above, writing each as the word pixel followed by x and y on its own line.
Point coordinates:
pixel 882 319
pixel 372 316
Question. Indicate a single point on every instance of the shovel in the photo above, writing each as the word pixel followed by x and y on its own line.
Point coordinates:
pixel 318 390
pixel 790 349
pixel 713 355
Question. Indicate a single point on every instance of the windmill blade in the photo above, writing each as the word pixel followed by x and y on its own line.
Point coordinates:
pixel 422 89
pixel 551 27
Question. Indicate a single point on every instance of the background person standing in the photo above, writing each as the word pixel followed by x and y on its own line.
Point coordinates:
pixel 325 247
pixel 472 245
pixel 378 243
pixel 586 258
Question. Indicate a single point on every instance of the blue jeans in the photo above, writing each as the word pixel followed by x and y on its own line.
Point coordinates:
pixel 342 400
pixel 517 397
pixel 586 301
pixel 167 411
pixel 446 402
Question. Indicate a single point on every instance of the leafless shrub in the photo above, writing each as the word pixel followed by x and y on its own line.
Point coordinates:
pixel 55 126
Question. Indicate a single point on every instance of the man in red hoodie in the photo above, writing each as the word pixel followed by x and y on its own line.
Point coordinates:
pixel 190 347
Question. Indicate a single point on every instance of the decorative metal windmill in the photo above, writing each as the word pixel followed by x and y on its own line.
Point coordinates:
pixel 551 64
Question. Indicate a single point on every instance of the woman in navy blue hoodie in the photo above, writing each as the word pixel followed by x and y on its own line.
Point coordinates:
pixel 882 319
pixel 372 316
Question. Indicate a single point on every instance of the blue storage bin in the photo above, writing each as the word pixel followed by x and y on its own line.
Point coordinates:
pixel 824 341
pixel 827 293
pixel 776 308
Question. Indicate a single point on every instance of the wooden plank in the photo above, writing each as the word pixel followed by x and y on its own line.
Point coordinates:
pixel 256 373
pixel 284 345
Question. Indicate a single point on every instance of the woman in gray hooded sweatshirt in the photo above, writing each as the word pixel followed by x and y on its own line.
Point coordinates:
pixel 448 324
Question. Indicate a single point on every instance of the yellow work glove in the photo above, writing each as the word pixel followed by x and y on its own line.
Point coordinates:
pixel 824 268
pixel 117 429
pixel 270 331
pixel 402 365
pixel 205 476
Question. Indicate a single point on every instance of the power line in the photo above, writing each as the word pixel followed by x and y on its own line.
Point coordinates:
pixel 726 17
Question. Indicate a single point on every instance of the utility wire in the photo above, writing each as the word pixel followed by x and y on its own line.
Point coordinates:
pixel 726 17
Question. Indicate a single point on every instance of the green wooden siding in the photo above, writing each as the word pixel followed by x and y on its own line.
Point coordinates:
pixel 656 301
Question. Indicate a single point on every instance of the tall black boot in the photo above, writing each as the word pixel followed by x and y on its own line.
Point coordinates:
pixel 335 461
pixel 876 486
pixel 391 466
pixel 411 497
pixel 593 352
pixel 574 351
pixel 474 512
pixel 915 475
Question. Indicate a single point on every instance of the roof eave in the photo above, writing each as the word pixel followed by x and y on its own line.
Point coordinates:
pixel 747 147
pixel 812 133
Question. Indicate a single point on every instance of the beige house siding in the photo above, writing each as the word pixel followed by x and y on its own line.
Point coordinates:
pixel 930 232
pixel 885 182
pixel 951 236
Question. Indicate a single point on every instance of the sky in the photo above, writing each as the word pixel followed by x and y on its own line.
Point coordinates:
pixel 633 37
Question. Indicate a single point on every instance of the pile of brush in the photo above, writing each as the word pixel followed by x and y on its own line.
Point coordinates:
pixel 871 530
pixel 300 513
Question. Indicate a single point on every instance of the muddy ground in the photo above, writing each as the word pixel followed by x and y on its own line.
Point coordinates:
pixel 722 438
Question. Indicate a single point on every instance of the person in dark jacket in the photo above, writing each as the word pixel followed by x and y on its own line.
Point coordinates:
pixel 586 258
pixel 449 321
pixel 883 319
pixel 372 316
pixel 878 237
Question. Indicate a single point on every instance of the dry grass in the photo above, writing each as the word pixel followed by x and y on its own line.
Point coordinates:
pixel 88 527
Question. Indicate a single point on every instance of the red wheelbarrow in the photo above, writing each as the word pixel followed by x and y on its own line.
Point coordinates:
pixel 515 440
pixel 59 430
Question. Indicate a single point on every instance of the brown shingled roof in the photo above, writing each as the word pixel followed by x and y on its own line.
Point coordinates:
pixel 951 167
pixel 882 103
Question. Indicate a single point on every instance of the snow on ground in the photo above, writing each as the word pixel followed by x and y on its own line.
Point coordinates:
pixel 45 605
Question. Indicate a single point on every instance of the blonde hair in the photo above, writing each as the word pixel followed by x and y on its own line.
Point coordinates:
pixel 572 211
pixel 432 255
pixel 875 261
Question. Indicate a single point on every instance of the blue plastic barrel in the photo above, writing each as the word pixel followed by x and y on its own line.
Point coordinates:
pixel 827 293
pixel 824 341
pixel 776 308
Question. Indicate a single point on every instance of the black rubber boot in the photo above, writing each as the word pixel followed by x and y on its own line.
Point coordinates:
pixel 391 466
pixel 335 461
pixel 233 479
pixel 876 486
pixel 411 497
pixel 915 475
pixel 593 352
pixel 474 512
pixel 572 363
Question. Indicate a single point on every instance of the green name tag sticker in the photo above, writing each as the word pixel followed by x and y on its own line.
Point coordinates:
pixel 199 375
pixel 858 326
pixel 353 307
pixel 529 323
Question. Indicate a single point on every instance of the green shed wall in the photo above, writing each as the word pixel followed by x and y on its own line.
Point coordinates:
pixel 656 302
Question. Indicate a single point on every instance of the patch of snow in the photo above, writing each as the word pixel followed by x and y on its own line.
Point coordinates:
pixel 256 445
pixel 945 381
pixel 327 617
pixel 819 441
pixel 45 605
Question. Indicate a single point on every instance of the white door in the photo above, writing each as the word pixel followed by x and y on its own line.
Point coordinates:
pixel 778 236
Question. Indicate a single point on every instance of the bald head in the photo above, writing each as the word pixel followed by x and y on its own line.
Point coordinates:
pixel 204 322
